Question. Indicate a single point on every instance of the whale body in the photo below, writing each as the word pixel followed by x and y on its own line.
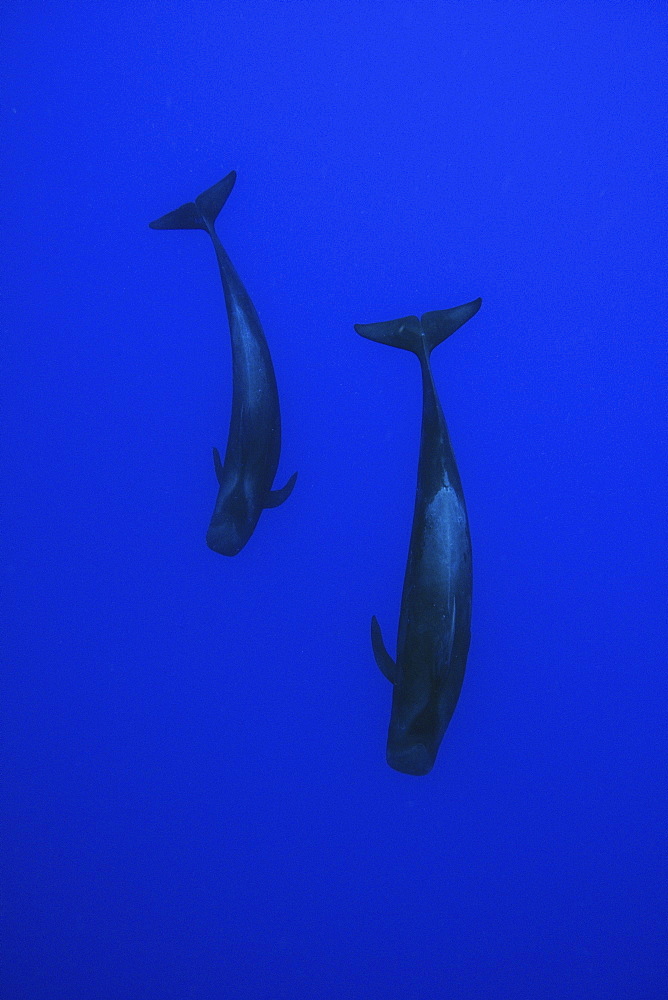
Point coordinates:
pixel 435 618
pixel 246 475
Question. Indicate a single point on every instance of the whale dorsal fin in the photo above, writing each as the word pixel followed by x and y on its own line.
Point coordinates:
pixel 387 665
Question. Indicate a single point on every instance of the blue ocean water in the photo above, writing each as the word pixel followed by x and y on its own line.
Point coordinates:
pixel 196 802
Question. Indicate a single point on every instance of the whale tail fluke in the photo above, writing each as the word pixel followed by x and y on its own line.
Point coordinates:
pixel 200 213
pixel 412 334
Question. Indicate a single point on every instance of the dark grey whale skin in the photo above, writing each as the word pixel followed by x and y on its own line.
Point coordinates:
pixel 246 476
pixel 435 617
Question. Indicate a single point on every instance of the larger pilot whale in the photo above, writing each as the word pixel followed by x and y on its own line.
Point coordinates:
pixel 435 617
pixel 246 476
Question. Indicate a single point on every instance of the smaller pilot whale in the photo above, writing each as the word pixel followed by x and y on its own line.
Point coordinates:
pixel 435 617
pixel 246 476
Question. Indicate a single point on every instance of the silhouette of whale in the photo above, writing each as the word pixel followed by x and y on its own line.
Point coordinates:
pixel 246 476
pixel 435 617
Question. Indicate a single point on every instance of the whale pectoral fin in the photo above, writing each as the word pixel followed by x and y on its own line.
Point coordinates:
pixel 275 498
pixel 387 665
pixel 218 466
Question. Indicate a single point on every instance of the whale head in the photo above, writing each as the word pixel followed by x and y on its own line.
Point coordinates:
pixel 416 729
pixel 233 522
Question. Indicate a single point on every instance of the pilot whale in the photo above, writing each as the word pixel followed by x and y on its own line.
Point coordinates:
pixel 246 476
pixel 435 617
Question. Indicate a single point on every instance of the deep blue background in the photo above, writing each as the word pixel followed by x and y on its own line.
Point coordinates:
pixel 196 802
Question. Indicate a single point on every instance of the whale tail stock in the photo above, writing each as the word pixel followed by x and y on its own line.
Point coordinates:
pixel 416 335
pixel 200 213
